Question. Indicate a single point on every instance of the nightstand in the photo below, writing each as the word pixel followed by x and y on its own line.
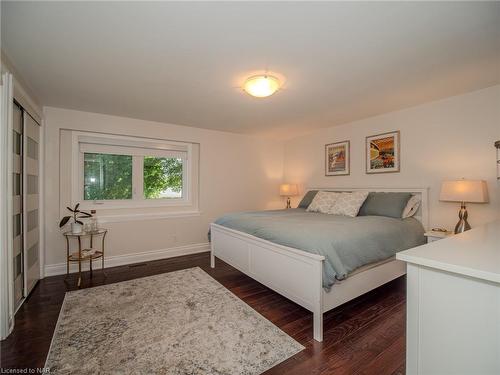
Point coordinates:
pixel 84 254
pixel 436 235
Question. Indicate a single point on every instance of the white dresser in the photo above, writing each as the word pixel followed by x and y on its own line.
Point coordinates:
pixel 453 304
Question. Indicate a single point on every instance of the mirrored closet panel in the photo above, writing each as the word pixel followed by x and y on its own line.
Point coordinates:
pixel 17 207
pixel 31 202
pixel 26 150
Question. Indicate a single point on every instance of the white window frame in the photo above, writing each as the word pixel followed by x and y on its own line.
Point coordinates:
pixel 108 143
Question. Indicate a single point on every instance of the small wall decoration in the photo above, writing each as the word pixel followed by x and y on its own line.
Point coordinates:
pixel 337 159
pixel 382 153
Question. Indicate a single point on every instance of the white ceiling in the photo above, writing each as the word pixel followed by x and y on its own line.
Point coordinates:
pixel 182 63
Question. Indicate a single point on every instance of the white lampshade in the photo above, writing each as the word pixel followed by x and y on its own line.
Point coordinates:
pixel 471 191
pixel 288 190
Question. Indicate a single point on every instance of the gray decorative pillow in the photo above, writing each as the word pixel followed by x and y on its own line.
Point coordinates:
pixel 384 204
pixel 307 199
pixel 323 202
pixel 348 204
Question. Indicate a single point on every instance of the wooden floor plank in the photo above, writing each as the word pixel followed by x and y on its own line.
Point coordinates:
pixel 388 361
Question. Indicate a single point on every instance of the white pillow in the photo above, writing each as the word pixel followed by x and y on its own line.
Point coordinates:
pixel 348 204
pixel 411 207
pixel 323 201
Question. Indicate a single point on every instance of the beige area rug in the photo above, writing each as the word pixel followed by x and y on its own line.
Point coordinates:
pixel 181 322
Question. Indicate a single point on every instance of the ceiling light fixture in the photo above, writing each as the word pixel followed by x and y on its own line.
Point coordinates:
pixel 261 86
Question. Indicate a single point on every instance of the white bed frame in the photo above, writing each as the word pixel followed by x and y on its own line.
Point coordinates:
pixel 297 274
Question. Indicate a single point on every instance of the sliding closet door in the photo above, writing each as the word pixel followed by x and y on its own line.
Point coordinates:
pixel 31 202
pixel 17 170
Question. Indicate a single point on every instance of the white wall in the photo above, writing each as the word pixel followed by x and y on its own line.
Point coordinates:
pixel 446 139
pixel 237 173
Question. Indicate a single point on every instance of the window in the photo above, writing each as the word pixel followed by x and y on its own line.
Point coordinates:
pixel 129 172
pixel 162 177
pixel 107 176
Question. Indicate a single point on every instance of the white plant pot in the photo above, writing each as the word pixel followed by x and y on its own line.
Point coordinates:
pixel 76 228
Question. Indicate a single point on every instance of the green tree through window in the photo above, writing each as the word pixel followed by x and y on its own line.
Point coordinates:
pixel 107 176
pixel 162 177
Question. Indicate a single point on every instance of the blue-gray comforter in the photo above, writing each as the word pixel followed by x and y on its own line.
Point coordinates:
pixel 347 243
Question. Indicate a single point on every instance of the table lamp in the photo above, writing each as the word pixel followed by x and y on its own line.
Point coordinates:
pixel 470 191
pixel 288 190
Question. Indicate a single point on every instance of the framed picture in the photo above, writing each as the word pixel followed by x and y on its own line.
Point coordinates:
pixel 382 153
pixel 337 159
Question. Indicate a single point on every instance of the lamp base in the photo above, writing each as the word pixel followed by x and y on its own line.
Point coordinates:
pixel 288 205
pixel 462 224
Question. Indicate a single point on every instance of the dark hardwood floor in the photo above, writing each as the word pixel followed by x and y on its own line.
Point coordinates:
pixel 364 336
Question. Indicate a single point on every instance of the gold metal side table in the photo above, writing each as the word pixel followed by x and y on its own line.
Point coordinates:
pixel 83 254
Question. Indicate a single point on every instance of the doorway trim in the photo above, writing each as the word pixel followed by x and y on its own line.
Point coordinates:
pixel 6 264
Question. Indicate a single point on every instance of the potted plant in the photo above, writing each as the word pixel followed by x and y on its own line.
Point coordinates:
pixel 76 225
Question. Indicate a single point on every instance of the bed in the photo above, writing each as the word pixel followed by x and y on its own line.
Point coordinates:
pixel 298 265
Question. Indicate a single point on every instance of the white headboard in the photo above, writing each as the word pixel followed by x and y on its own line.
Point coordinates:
pixel 422 214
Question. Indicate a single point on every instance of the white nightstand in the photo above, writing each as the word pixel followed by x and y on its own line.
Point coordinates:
pixel 435 235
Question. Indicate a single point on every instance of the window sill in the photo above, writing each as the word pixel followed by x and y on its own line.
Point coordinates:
pixel 130 205
pixel 122 218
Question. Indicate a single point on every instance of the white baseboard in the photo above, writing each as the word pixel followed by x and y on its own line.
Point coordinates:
pixel 120 260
